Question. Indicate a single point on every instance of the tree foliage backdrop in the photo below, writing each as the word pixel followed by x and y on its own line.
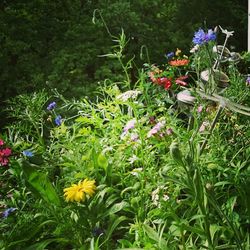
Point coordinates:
pixel 56 44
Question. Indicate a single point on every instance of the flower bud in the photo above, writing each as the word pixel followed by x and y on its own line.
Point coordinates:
pixel 175 152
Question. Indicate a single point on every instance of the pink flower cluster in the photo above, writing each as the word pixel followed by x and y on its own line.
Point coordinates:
pixel 4 154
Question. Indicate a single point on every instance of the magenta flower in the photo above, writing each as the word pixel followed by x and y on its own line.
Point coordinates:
pixel 6 152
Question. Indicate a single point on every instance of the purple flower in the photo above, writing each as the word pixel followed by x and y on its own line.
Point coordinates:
pixel 156 129
pixel 130 125
pixel 51 106
pixel 58 120
pixel 8 211
pixel 170 55
pixel 248 81
pixel 210 36
pixel 200 37
pixel 28 153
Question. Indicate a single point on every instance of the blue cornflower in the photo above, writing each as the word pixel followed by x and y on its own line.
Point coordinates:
pixel 58 120
pixel 170 55
pixel 51 106
pixel 200 37
pixel 8 211
pixel 28 153
pixel 210 36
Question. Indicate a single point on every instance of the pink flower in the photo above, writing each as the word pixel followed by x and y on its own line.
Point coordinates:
pixel 203 126
pixel 199 109
pixel 1 142
pixel 180 80
pixel 156 129
pixel 6 152
pixel 4 161
pixel 130 125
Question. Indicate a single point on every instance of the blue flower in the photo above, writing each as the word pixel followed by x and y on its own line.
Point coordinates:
pixel 28 153
pixel 58 120
pixel 170 55
pixel 8 211
pixel 200 37
pixel 210 36
pixel 51 106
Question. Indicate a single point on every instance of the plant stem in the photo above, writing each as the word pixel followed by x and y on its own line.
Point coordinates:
pixel 220 109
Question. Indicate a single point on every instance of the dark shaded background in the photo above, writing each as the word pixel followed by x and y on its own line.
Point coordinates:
pixel 55 44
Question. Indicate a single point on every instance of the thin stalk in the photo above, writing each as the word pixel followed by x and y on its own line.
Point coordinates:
pixel 217 63
pixel 212 128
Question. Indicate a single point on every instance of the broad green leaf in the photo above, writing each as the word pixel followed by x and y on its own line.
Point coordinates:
pixel 40 184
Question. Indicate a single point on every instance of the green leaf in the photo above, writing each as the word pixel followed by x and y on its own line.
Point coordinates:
pixel 152 234
pixel 39 184
pixel 42 245
pixel 102 161
pixel 117 207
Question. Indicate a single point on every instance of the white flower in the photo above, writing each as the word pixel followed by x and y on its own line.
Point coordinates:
pixel 107 149
pixel 136 171
pixel 128 94
pixel 195 48
pixel 156 196
pixel 133 159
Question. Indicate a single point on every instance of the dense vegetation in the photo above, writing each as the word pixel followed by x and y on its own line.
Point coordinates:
pixel 162 163
pixel 128 125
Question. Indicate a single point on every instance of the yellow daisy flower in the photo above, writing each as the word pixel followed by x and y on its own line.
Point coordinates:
pixel 78 192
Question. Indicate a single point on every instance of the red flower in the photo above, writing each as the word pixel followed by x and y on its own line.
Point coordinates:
pixel 179 62
pixel 180 80
pixel 165 82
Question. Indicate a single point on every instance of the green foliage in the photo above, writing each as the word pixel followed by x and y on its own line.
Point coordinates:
pixel 158 173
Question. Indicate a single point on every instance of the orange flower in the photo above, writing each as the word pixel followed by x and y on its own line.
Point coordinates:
pixel 179 62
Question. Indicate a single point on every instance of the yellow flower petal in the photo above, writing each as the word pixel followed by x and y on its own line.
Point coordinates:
pixel 78 192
